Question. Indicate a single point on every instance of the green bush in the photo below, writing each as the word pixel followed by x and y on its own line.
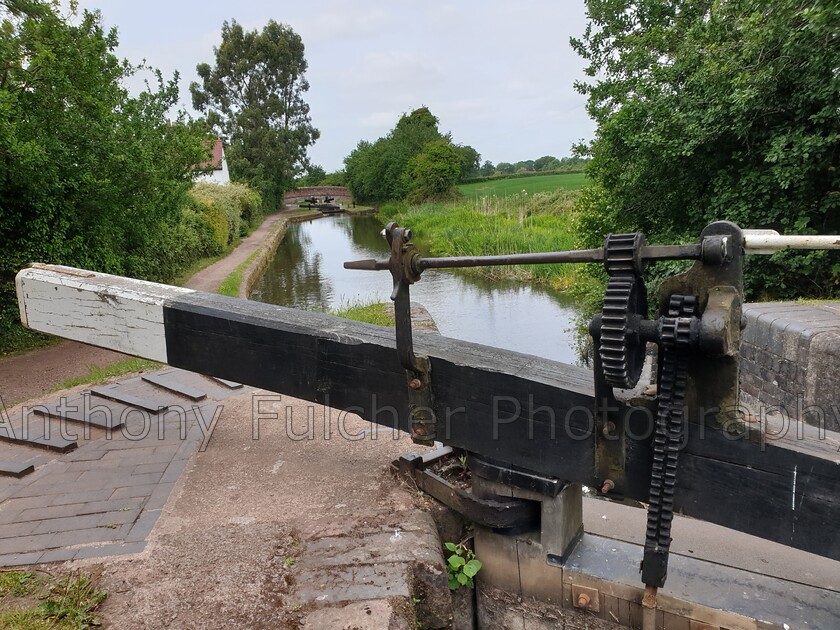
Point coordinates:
pixel 239 203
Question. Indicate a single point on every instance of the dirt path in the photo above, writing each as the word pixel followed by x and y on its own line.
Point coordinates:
pixel 35 373
pixel 211 277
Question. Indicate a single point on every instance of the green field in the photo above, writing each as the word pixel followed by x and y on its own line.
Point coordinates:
pixel 531 185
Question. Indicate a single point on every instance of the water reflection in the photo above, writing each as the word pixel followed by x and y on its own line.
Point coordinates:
pixel 307 272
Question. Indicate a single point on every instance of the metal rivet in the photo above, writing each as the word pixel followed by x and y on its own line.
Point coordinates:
pixel 415 383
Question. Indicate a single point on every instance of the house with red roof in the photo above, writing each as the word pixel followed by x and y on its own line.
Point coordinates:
pixel 219 173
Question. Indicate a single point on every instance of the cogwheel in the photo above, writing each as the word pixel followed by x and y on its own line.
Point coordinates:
pixel 622 254
pixel 622 352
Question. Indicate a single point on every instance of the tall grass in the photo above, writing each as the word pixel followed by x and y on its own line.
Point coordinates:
pixel 495 225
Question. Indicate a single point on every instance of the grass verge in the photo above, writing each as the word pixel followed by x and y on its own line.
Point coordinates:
pixel 230 285
pixel 32 602
pixel 99 375
pixel 377 313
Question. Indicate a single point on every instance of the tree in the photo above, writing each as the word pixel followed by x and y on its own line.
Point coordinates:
pixel 487 169
pixel 717 110
pixel 315 175
pixel 377 171
pixel 546 163
pixel 89 176
pixel 505 167
pixel 253 98
pixel 432 173
pixel 470 161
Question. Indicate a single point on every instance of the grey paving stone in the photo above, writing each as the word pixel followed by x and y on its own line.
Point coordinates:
pixel 121 479
pixel 26 544
pixel 118 394
pixel 175 470
pixel 59 525
pixel 134 491
pixel 154 467
pixel 84 496
pixel 159 496
pixel 168 381
pixel 20 559
pixel 15 469
pixel 88 452
pixel 347 584
pixel 58 555
pixel 143 526
pixel 87 536
pixel 114 549
pixel 12 530
pixel 20 504
pixel 386 547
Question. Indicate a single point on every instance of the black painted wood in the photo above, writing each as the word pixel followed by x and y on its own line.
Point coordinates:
pixel 516 409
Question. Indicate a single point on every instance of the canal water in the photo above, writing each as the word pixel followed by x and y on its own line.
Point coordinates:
pixel 307 272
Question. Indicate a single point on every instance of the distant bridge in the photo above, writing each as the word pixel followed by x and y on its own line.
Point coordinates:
pixel 293 197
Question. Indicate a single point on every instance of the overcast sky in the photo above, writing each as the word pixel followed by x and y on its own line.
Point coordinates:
pixel 498 74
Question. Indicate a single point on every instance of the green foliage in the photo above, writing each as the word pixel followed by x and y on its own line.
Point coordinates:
pixel 377 313
pixel 470 161
pixel 74 600
pixel 336 178
pixel 97 375
pixel 18 583
pixel 717 110
pixel 89 175
pixel 492 225
pixel 239 204
pixel 461 566
pixel 379 171
pixel 315 175
pixel 253 97
pixel 432 173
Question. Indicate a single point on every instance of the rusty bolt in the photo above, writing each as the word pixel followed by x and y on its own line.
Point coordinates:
pixel 608 429
pixel 420 430
pixel 609 485
pixel 583 600
pixel 415 383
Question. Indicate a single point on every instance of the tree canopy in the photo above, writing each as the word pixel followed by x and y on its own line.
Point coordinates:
pixel 89 175
pixel 253 98
pixel 379 171
pixel 712 110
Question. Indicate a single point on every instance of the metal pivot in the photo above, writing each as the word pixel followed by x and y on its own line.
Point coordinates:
pixel 417 368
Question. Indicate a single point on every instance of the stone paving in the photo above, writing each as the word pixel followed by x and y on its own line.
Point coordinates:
pixel 104 497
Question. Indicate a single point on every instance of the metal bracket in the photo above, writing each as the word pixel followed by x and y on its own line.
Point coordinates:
pixel 404 272
pixel 504 515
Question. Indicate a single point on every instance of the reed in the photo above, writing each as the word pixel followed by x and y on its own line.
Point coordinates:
pixel 494 225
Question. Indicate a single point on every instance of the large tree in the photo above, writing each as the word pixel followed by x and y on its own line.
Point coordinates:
pixel 379 171
pixel 89 175
pixel 717 110
pixel 253 98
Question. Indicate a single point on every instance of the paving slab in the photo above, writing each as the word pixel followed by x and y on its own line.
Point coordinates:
pixel 105 497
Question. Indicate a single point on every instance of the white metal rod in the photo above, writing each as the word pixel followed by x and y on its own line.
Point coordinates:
pixel 770 241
